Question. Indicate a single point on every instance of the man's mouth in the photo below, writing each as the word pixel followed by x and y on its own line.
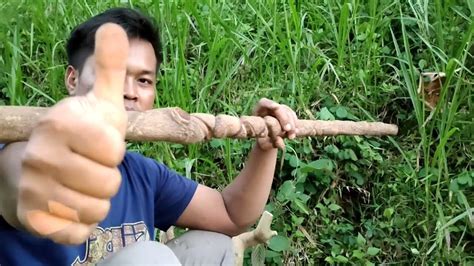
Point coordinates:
pixel 129 108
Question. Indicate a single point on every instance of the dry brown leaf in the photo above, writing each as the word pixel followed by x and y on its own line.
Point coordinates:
pixel 430 86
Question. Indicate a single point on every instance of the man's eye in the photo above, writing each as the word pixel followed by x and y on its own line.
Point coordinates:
pixel 144 80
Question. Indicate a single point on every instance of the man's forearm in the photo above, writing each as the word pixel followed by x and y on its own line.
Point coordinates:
pixel 245 198
pixel 10 170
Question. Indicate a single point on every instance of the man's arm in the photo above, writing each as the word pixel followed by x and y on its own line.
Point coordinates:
pixel 69 165
pixel 10 170
pixel 243 201
pixel 240 204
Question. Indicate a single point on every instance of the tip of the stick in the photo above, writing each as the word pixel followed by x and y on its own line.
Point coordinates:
pixel 394 130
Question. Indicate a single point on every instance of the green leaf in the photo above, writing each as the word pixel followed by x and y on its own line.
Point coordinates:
pixel 297 220
pixel 322 164
pixel 341 112
pixel 279 243
pixel 351 167
pixel 331 149
pixel 464 179
pixel 454 186
pixel 325 114
pixel 271 254
pixel 422 63
pixel 341 259
pixel 470 4
pixel 351 154
pixel 334 207
pixel 415 251
pixel 286 191
pixel 387 213
pixel 303 197
pixel 372 251
pixel 301 206
pixel 329 260
pixel 358 254
pixel 359 178
pixel 361 240
pixel 386 50
pixel 216 143
pixel 294 161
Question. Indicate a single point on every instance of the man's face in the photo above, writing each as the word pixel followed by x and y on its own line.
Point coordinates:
pixel 140 80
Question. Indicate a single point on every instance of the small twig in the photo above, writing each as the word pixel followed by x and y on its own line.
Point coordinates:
pixel 167 236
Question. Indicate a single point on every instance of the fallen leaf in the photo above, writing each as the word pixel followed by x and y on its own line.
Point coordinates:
pixel 430 87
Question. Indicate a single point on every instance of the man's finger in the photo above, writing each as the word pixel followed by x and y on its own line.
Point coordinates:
pixel 61 230
pixel 44 224
pixel 279 143
pixel 73 234
pixel 264 107
pixel 82 172
pixel 265 143
pixel 111 53
pixel 292 133
pixel 267 103
pixel 284 118
pixel 77 207
pixel 100 143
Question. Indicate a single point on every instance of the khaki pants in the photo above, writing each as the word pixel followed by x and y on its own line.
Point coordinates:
pixel 192 248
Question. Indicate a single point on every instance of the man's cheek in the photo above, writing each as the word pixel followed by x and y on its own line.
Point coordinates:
pixel 149 99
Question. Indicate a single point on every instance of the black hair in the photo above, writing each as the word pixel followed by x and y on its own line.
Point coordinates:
pixel 81 42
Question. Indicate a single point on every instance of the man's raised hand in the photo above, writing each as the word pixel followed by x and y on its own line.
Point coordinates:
pixel 286 124
pixel 69 168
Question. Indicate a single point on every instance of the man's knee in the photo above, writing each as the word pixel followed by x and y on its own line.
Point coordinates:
pixel 142 253
pixel 203 248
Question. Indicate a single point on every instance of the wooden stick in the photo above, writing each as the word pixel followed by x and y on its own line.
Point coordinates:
pixel 175 125
pixel 261 235
pixel 166 236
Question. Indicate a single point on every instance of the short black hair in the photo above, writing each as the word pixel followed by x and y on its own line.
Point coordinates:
pixel 81 42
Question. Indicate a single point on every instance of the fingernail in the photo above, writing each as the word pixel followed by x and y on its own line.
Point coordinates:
pixel 287 127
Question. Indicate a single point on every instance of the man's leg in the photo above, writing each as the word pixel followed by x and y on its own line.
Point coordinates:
pixel 197 247
pixel 142 253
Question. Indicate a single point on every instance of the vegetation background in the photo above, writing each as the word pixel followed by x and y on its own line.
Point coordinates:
pixel 407 199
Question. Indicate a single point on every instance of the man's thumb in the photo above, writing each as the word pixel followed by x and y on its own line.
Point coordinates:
pixel 111 53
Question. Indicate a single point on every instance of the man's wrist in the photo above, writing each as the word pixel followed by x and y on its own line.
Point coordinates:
pixel 261 149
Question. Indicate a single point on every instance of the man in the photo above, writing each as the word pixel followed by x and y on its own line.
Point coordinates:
pixel 76 197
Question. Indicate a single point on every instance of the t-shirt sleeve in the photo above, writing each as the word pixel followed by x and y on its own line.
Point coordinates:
pixel 172 195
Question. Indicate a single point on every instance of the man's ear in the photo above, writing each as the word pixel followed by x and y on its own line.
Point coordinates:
pixel 71 78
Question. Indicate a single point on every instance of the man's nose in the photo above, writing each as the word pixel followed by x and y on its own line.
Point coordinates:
pixel 129 91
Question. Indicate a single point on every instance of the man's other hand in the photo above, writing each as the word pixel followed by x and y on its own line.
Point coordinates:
pixel 287 123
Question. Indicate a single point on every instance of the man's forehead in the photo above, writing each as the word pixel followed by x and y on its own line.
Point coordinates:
pixel 141 58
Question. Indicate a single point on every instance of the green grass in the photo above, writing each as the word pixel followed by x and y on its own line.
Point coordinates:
pixel 402 200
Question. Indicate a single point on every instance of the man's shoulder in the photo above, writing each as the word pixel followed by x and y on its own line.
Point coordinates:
pixel 133 155
pixel 136 162
pixel 136 157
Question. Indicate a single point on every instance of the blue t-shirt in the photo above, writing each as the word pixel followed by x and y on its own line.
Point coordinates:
pixel 150 196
